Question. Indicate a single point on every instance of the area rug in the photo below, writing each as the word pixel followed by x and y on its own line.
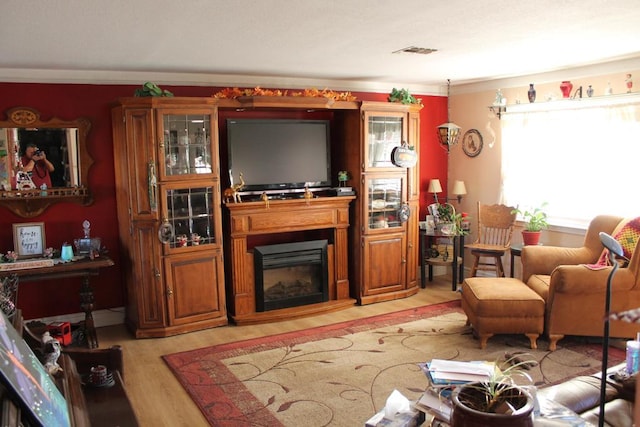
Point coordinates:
pixel 342 374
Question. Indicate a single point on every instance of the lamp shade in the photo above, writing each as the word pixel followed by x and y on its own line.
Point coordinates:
pixel 434 186
pixel 448 134
pixel 459 188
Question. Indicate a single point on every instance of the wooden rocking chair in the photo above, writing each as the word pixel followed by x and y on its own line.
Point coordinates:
pixel 495 228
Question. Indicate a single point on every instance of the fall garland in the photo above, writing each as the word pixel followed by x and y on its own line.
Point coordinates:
pixel 232 93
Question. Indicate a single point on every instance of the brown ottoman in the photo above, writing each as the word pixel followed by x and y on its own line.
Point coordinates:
pixel 502 306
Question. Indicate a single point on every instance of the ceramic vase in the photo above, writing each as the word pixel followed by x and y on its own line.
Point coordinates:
pixel 566 87
pixel 590 91
pixel 531 93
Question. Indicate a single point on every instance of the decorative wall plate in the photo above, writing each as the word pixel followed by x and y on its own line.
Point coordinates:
pixel 472 143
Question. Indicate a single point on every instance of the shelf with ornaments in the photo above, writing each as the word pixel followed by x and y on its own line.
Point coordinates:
pixel 572 103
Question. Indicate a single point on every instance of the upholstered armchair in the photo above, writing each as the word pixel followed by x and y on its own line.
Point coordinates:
pixel 575 294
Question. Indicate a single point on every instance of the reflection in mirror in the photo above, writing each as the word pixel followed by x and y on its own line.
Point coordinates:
pixel 42 162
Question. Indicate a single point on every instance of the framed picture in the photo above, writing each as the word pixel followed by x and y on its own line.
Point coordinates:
pixel 29 239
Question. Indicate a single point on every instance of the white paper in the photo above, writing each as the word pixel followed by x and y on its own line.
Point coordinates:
pixel 451 366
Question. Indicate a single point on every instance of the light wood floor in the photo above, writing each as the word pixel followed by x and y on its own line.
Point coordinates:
pixel 158 398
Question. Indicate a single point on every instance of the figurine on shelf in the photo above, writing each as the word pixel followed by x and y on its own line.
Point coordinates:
pixel 629 83
pixel 232 194
pixel 51 350
pixel 265 198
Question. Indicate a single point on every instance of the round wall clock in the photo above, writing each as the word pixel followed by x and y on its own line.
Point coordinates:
pixel 472 143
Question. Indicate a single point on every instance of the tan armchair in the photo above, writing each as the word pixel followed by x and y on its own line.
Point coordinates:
pixel 574 294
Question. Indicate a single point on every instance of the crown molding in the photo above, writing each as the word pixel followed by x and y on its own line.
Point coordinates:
pixel 202 79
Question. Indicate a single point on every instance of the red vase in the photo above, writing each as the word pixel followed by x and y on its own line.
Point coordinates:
pixel 566 87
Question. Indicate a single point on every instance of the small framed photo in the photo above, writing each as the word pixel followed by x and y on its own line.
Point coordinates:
pixel 29 239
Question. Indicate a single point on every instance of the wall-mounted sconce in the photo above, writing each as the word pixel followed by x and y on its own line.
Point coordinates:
pixel 458 190
pixel 435 188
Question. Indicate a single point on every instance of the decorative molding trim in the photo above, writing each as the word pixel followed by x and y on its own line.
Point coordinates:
pixel 202 79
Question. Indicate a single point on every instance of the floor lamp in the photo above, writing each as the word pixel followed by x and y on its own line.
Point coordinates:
pixel 614 250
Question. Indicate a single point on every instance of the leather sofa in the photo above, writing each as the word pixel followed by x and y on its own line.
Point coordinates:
pixel 574 294
pixel 582 395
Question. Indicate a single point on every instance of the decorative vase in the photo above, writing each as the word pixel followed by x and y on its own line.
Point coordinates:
pixel 566 87
pixel 531 93
pixel 589 91
pixel 530 237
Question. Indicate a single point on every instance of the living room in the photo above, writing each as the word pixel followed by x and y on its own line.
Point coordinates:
pixel 470 105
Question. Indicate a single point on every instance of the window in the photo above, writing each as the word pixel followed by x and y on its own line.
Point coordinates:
pixel 583 161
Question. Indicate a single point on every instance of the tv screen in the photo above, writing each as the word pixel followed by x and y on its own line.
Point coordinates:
pixel 279 155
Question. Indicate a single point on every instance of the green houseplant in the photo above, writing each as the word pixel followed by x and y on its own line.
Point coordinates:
pixel 535 221
pixel 497 401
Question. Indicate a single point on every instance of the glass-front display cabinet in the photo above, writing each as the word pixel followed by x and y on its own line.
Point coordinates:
pixel 186 144
pixel 384 132
pixel 190 216
pixel 385 202
pixel 168 197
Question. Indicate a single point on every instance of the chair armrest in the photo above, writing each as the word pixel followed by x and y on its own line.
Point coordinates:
pixel 544 259
pixel 574 279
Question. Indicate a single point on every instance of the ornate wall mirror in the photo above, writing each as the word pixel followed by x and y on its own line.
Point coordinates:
pixel 64 146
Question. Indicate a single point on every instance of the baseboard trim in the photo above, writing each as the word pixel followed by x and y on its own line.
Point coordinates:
pixel 112 316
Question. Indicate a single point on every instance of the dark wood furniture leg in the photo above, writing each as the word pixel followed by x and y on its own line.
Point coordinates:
pixel 87 304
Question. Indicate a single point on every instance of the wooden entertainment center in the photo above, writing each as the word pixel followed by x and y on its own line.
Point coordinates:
pixel 178 284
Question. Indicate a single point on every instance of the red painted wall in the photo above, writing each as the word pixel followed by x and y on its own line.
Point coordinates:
pixel 63 222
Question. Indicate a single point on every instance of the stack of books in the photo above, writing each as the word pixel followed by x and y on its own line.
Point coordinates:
pixel 443 376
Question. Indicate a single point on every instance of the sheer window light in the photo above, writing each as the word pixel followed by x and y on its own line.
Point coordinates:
pixel 583 162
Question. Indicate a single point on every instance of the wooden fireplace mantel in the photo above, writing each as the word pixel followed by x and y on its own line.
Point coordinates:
pixel 281 216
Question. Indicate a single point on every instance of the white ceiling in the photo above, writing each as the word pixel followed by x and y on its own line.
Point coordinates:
pixel 309 43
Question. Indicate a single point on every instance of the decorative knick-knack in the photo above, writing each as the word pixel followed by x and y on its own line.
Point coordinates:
pixel 531 93
pixel 589 91
pixel 609 89
pixel 566 87
pixel 629 83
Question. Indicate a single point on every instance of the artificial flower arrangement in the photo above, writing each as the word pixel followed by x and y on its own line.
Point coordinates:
pixel 12 256
pixel 231 93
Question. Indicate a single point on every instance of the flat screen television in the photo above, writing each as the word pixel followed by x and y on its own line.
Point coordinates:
pixel 279 155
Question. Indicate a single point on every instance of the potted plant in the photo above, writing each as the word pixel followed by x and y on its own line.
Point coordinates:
pixel 535 221
pixel 497 401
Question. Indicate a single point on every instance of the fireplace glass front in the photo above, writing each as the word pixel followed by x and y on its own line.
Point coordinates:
pixel 291 274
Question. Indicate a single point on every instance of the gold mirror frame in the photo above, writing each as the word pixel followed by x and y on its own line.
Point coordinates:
pixel 31 203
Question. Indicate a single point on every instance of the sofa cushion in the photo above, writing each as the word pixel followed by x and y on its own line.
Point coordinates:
pixel 627 233
pixel 540 284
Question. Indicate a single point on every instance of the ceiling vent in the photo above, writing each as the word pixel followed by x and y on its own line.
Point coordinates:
pixel 418 50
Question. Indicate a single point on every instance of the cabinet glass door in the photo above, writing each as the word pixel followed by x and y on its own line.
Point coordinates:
pixel 384 133
pixel 385 202
pixel 187 144
pixel 189 212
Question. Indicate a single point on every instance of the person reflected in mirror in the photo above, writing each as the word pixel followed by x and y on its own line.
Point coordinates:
pixel 34 161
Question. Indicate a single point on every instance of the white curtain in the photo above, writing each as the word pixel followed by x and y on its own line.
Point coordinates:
pixel 583 162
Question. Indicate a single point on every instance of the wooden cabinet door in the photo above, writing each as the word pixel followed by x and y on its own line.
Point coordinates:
pixel 147 289
pixel 141 163
pixel 193 287
pixel 385 264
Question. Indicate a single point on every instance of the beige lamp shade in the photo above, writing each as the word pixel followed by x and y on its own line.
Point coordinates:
pixel 459 188
pixel 434 186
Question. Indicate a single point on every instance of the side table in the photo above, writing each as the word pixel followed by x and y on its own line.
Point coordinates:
pixel 515 251
pixel 456 259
